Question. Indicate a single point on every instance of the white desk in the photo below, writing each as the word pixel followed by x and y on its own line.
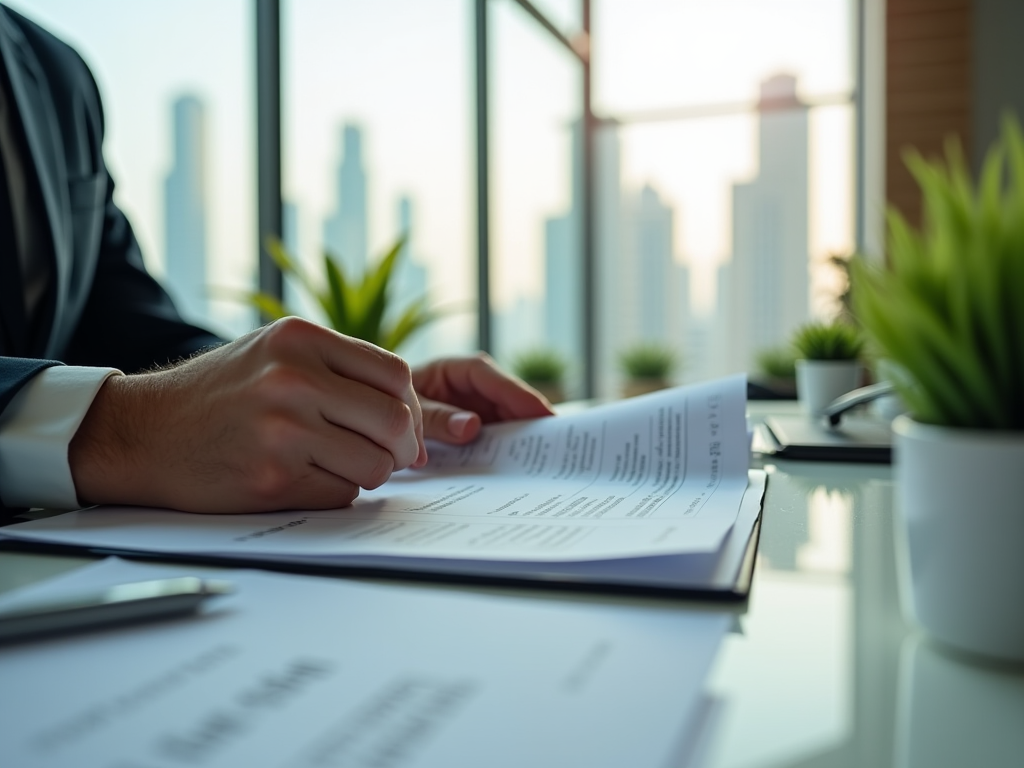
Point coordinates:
pixel 826 671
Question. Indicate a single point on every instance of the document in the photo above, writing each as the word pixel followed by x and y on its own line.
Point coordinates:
pixel 306 672
pixel 660 476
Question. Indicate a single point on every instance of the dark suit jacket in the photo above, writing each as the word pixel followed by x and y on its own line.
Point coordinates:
pixel 102 307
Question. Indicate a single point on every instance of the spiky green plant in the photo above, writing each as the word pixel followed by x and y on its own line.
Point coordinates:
pixel 539 366
pixel 948 308
pixel 356 305
pixel 828 341
pixel 648 360
pixel 777 362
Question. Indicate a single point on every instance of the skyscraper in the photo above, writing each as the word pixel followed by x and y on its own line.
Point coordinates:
pixel 562 256
pixel 768 277
pixel 185 209
pixel 345 231
pixel 654 269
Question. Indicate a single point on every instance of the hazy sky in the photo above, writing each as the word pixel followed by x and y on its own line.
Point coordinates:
pixel 402 70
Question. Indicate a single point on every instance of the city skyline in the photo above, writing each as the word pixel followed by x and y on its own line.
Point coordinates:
pixel 414 97
pixel 644 284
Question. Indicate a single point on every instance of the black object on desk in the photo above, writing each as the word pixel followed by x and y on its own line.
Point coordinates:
pixel 855 439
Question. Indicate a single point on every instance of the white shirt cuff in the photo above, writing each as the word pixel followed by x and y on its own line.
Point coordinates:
pixel 35 431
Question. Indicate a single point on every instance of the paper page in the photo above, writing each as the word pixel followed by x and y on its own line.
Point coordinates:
pixel 302 672
pixel 659 474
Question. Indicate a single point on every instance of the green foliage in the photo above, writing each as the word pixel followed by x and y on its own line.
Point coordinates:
pixel 354 305
pixel 777 362
pixel 648 361
pixel 828 341
pixel 539 366
pixel 948 308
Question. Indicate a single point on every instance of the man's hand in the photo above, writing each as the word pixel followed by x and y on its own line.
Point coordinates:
pixel 290 416
pixel 460 394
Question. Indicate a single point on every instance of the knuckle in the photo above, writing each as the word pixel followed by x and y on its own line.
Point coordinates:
pixel 396 368
pixel 398 420
pixel 380 470
pixel 284 334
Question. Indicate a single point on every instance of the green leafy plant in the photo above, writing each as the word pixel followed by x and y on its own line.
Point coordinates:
pixel 947 308
pixel 356 305
pixel 828 341
pixel 777 363
pixel 648 361
pixel 539 366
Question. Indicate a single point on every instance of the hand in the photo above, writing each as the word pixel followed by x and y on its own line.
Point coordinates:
pixel 459 394
pixel 291 416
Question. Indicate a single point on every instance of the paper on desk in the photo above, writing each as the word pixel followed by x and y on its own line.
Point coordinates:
pixel 301 671
pixel 658 475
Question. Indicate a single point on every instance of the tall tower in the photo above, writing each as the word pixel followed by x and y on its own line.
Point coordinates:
pixel 562 256
pixel 345 231
pixel 185 209
pixel 769 274
pixel 658 293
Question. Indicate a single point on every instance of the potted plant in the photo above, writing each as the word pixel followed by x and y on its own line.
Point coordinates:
pixel 544 370
pixel 946 311
pixel 647 367
pixel 828 363
pixel 356 305
pixel 776 368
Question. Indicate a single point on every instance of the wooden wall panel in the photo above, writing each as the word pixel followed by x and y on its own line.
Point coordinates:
pixel 928 87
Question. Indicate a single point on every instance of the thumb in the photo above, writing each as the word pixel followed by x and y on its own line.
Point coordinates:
pixel 447 423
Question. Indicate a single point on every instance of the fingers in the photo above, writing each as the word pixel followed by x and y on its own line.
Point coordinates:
pixel 449 424
pixel 310 487
pixel 379 369
pixel 386 421
pixel 478 385
pixel 360 386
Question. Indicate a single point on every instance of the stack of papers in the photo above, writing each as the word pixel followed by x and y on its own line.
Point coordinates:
pixel 651 493
pixel 311 673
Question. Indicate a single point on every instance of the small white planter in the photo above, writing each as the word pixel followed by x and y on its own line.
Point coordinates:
pixel 819 382
pixel 961 496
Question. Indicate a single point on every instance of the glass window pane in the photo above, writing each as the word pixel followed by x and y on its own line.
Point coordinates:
pixel 378 141
pixel 535 215
pixel 564 14
pixel 730 141
pixel 178 100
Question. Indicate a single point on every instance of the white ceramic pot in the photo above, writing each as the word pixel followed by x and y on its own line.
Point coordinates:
pixel 961 496
pixel 819 382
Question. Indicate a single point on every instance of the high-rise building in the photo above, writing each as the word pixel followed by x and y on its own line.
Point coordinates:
pixel 185 209
pixel 768 286
pixel 345 230
pixel 562 257
pixel 654 268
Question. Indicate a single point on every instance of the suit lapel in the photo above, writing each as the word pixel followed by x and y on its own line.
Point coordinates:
pixel 35 107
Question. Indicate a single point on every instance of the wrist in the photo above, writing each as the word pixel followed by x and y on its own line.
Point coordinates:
pixel 105 455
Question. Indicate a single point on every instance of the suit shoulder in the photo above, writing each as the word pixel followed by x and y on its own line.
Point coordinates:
pixel 58 58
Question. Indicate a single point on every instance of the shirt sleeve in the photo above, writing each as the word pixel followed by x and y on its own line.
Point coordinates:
pixel 36 430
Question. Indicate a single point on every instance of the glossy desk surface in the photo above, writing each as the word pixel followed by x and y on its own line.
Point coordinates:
pixel 824 669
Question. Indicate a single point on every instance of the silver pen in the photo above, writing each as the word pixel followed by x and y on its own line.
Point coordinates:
pixel 121 604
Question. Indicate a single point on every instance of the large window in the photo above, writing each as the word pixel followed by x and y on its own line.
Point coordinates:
pixel 732 143
pixel 721 176
pixel 377 142
pixel 536 109
pixel 177 87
